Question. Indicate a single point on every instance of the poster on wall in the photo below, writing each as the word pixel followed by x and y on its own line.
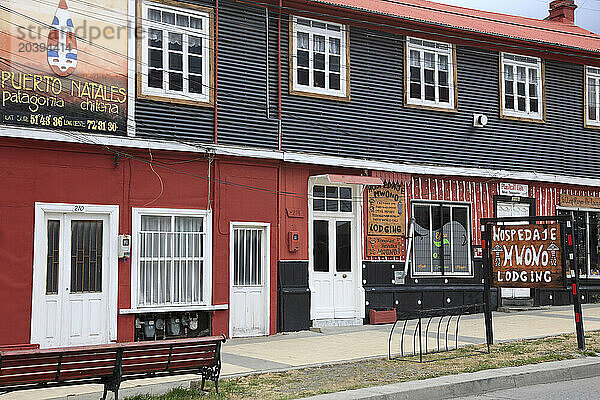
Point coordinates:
pixel 527 256
pixel 63 65
pixel 386 222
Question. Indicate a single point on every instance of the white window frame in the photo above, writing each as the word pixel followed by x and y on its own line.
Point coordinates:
pixel 430 46
pixel 342 35
pixel 594 74
pixel 528 63
pixel 204 33
pixel 207 268
pixel 467 274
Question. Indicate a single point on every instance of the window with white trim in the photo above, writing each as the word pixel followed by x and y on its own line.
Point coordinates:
pixel 592 103
pixel 430 73
pixel 319 57
pixel 175 59
pixel 522 86
pixel 172 257
pixel 442 239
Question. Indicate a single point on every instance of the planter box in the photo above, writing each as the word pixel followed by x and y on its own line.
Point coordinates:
pixel 382 316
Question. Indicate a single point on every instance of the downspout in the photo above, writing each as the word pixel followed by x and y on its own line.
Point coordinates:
pixel 279 133
pixel 216 44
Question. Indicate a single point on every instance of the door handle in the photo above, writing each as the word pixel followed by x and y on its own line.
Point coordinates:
pixel 344 276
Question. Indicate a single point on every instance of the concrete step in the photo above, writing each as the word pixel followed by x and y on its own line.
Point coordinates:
pixel 517 302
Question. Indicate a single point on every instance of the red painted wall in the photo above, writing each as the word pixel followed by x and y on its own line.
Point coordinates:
pixel 32 171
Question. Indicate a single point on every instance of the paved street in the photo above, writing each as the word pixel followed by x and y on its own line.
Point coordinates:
pixel 582 389
pixel 332 345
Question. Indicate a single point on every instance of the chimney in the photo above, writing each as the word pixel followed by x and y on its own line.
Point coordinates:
pixel 562 11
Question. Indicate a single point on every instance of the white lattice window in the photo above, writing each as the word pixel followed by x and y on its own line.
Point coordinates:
pixel 319 57
pixel 522 86
pixel 592 100
pixel 430 73
pixel 172 263
pixel 175 52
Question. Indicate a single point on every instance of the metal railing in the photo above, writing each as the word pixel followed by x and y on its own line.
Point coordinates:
pixel 445 317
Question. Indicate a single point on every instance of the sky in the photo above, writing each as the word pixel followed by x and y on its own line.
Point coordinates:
pixel 587 14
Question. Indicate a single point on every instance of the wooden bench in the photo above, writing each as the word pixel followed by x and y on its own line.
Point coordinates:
pixel 110 364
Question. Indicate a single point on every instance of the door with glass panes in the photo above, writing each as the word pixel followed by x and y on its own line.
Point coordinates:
pixel 74 301
pixel 334 253
pixel 511 209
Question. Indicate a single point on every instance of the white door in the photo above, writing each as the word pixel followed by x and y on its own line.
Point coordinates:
pixel 333 266
pixel 249 296
pixel 73 295
pixel 509 209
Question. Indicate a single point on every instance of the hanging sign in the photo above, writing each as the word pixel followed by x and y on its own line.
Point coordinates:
pixel 386 220
pixel 513 189
pixel 527 256
pixel 567 200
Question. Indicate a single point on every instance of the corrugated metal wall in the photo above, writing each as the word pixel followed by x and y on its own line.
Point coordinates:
pixel 375 124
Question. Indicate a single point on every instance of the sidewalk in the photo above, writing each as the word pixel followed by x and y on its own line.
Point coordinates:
pixel 334 345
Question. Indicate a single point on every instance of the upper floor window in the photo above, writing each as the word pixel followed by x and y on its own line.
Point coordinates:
pixel 319 58
pixel 431 73
pixel 442 239
pixel 522 87
pixel 176 57
pixel 592 113
pixel 332 198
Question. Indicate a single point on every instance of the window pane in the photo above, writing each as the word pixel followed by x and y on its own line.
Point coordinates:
pixel 176 62
pixel 533 105
pixel 155 78
pixel 521 88
pixel 521 71
pixel 319 43
pixel 444 95
pixel 319 78
pixel 460 240
pixel 332 192
pixel 319 61
pixel 334 81
pixel 153 15
pixel 321 246
pixel 195 45
pixel 429 92
pixel 175 81
pixel 334 46
pixel 334 63
pixel 343 246
pixel 508 87
pixel 86 256
pixel 319 204
pixel 415 90
pixel 331 205
pixel 594 244
pixel 429 76
pixel 302 76
pixel 188 224
pixel 345 205
pixel 155 58
pixel 592 90
pixel 521 104
pixel 52 257
pixel 195 23
pixel 422 239
pixel 195 65
pixel 509 102
pixel 442 78
pixel 415 58
pixel 175 41
pixel 318 191
pixel 183 20
pixel 303 58
pixel 429 60
pixel 168 18
pixel 156 223
pixel 442 62
pixel 345 193
pixel 155 38
pixel 303 40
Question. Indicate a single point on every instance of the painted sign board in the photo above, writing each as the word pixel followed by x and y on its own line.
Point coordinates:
pixel 567 200
pixel 528 256
pixel 513 189
pixel 64 67
pixel 386 220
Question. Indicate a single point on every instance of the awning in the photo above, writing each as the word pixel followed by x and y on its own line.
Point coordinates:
pixel 354 179
pixel 392 177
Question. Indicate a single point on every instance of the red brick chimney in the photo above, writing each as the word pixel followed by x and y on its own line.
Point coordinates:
pixel 562 11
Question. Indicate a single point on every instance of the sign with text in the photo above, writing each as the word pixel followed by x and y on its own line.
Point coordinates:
pixel 513 189
pixel 64 67
pixel 568 200
pixel 386 222
pixel 527 256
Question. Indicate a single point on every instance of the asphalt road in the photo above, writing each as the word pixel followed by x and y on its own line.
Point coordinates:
pixel 582 389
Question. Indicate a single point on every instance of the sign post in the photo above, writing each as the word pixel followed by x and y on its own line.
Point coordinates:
pixel 530 252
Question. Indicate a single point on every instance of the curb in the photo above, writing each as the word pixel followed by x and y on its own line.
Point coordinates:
pixel 476 383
